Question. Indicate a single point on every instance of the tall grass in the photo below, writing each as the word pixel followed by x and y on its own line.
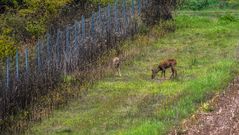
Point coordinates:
pixel 208 4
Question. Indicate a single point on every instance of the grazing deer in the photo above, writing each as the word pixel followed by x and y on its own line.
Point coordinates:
pixel 169 63
pixel 116 64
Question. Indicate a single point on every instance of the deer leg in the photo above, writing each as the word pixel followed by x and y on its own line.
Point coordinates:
pixel 164 74
pixel 174 72
pixel 172 75
pixel 119 72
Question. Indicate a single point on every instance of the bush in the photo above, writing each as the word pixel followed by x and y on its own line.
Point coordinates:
pixel 228 18
pixel 6 48
pixel 202 4
pixel 158 10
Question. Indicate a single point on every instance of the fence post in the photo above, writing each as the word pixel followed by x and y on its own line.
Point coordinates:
pixel 92 25
pixel 67 39
pixel 133 8
pixel 38 56
pixel 17 65
pixel 49 45
pixel 124 12
pixel 58 46
pixel 139 7
pixel 99 14
pixel 116 15
pixel 8 72
pixel 67 50
pixel 100 24
pixel 83 26
pixel 109 14
pixel 26 61
pixel 146 3
pixel 76 40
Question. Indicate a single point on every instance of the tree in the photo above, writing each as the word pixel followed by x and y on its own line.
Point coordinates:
pixel 4 4
pixel 82 3
pixel 158 10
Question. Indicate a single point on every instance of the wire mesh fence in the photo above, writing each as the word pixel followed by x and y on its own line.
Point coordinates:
pixel 37 70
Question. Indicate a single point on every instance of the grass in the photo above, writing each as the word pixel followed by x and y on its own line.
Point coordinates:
pixel 133 104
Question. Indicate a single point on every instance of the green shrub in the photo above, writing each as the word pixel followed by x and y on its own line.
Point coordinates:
pixel 7 48
pixel 202 4
pixel 35 28
pixel 226 19
pixel 26 19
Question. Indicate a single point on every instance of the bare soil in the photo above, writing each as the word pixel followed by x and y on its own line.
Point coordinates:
pixel 222 120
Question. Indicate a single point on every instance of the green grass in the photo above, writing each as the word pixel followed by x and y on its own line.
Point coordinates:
pixel 205 48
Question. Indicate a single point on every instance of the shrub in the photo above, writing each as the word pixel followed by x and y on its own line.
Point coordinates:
pixel 159 10
pixel 228 18
pixel 202 4
pixel 6 48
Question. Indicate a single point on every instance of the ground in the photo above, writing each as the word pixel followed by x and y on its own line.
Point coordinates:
pixel 223 119
pixel 205 48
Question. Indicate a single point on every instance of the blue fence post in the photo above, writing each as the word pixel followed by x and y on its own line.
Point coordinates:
pixel 38 56
pixel 99 13
pixel 92 25
pixel 83 26
pixel 116 15
pixel 100 19
pixel 76 34
pixel 8 72
pixel 109 11
pixel 109 15
pixel 26 61
pixel 17 65
pixel 124 12
pixel 67 39
pixel 146 3
pixel 139 7
pixel 58 46
pixel 48 45
pixel 133 8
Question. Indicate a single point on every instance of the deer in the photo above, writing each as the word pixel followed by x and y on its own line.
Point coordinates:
pixel 169 63
pixel 116 64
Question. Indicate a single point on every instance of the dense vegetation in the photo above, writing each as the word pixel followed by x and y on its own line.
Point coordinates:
pixel 23 21
pixel 204 4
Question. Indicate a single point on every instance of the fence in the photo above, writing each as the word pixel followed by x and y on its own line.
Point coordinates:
pixel 35 71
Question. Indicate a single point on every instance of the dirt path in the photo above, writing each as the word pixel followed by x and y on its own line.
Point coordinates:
pixel 223 120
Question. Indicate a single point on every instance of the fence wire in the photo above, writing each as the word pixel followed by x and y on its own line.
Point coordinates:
pixel 36 71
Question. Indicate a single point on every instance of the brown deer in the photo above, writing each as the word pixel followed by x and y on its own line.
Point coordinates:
pixel 116 64
pixel 169 63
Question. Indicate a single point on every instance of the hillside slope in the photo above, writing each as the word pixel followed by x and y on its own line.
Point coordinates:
pixel 204 47
pixel 222 117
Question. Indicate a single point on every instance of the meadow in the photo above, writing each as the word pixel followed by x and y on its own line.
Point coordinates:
pixel 205 46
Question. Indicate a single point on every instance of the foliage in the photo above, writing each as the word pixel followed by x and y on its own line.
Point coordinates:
pixel 204 4
pixel 198 4
pixel 30 20
pixel 6 47
pixel 26 20
pixel 11 3
pixel 228 18
pixel 154 14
